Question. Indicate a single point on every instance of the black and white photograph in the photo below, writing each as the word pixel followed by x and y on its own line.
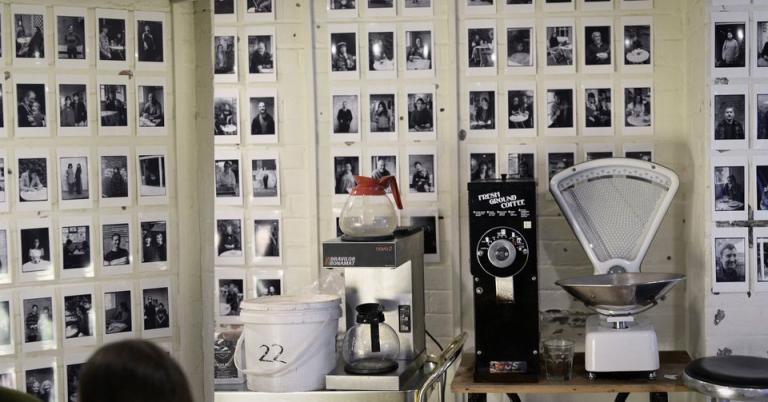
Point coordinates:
pixel 6 327
pixel 560 108
pixel 225 55
pixel 559 5
pixel 2 109
pixel 343 51
pixel 259 8
pixel 114 177
pixel 643 155
pixel 637 107
pixel 374 4
pixel 381 53
pixel 598 4
pixel 346 115
pixel 345 169
pixel 33 180
pixel 421 173
pixel 8 376
pixel 729 113
pixel 521 105
pixel 151 110
pixel 231 291
pixel 761 189
pixel 521 165
pixel 730 44
pixel 154 241
pixel 264 178
pixel 418 50
pixel 76 247
pixel 482 110
pixel 29 35
pixel 560 46
pixel 39 323
pixel 156 308
pixel 224 369
pixel 411 7
pixel 149 39
pixel 116 245
pixel 480 6
pixel 4 257
pixel 152 177
pixel 638 44
pixel 117 312
pixel 73 380
pixel 761 115
pixel 3 183
pixel 383 166
pixel 268 287
pixel 223 7
pixel 427 220
pixel 70 37
pixel 481 47
pixel 342 4
pixel 228 178
pixel 41 383
pixel 421 113
pixel 261 51
pixel 263 118
pixel 520 48
pixel 225 117
pixel 112 39
pixel 229 234
pixel 382 114
pixel 761 39
pixel 597 47
pixel 557 161
pixel 380 8
pixel 598 112
pixel 730 259
pixel 36 253
pixel 73 177
pixel 31 106
pixel 761 249
pixel 591 156
pixel 266 241
pixel 79 316
pixel 113 105
pixel 73 105
pixel 730 188
pixel 594 151
pixel 482 166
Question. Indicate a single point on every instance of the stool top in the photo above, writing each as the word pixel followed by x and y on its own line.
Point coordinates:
pixel 730 371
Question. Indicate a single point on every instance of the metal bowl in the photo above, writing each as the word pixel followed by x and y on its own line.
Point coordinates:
pixel 620 294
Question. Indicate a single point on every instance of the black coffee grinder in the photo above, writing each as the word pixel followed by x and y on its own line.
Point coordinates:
pixel 502 235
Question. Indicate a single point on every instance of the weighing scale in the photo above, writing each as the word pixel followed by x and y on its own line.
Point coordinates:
pixel 615 207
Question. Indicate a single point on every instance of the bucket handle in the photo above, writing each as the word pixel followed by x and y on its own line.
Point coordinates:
pixel 312 340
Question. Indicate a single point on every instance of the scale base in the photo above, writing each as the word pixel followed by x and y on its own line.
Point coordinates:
pixel 629 350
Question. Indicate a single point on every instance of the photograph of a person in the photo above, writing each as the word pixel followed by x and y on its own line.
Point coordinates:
pixel 343 51
pixel 225 115
pixel 417 4
pixel 264 180
pixel 482 47
pixel 762 116
pixel 345 169
pixel 558 161
pixel 152 181
pixel 418 50
pixel 227 172
pixel 31 105
pixel 637 107
pixel 262 115
pixel 268 287
pixel 730 40
pixel 224 369
pixel 29 36
pixel 381 51
pixel 35 250
pixel 230 235
pixel 230 296
pixel 267 238
pixel 729 259
pixel 382 113
pixel 260 51
pixel 78 312
pixel 482 110
pixel 560 108
pixel 2 108
pixel 521 165
pixel 41 384
pixel 73 381
pixel 762 259
pixel 4 252
pixel 560 45
pixel 729 112
pixel 762 44
pixel 114 176
pixel 71 37
pixel 223 6
pixel 482 166
pixel 112 39
pixel 224 54
pixel 5 326
pixel 33 179
pixel 258 6
pixel 73 105
pixel 478 3
pixel 729 188
pixel 519 47
pixel 429 225
pixel 599 155
pixel 637 45
pixel 421 169
pixel 421 114
pixel 520 109
pixel 597 107
pixel 598 45
pixel 116 244
pixel 76 246
pixel 73 177
pixel 342 4
pixel 151 101
pixel 156 304
pixel 381 4
pixel 154 247
pixel 2 180
pixel 38 319
pixel 113 101
pixel 761 173
pixel 117 312
pixel 383 166
pixel 150 41
pixel 345 109
pixel 641 155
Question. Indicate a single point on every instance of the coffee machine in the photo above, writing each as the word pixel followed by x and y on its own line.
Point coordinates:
pixel 502 235
pixel 390 272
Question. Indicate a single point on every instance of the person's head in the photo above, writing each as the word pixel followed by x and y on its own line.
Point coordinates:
pixel 381 108
pixel 151 97
pixel 104 30
pixel 34 309
pixel 36 241
pixel 146 28
pixel 33 385
pixel 380 165
pixel 729 35
pixel 419 104
pixel 729 113
pixel 342 48
pixel 638 99
pixel 348 167
pixel 69 166
pixel 115 241
pixel 227 166
pixel 728 257
pixel 226 109
pixel 38 30
pixel 343 105
pixel 484 102
pixel 70 29
pixel 418 41
pixel 46 311
pixel 30 98
pixel 159 238
pixel 110 95
pixel 597 38
pixel 591 98
pixel 271 290
pixel 261 48
pixel 35 107
pixel 162 306
pixel 79 166
pixel 229 229
pixel 132 370
pixel 262 108
pixel 515 101
pixel 483 167
pixel 67 101
pixel 418 166
pixel 147 240
pixel 76 97
pixel 731 179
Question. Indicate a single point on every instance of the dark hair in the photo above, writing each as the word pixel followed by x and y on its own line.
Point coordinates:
pixel 132 370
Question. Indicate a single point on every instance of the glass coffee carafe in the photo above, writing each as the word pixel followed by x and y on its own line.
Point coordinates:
pixel 371 346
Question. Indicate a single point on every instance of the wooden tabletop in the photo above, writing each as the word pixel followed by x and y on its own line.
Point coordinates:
pixel 669 379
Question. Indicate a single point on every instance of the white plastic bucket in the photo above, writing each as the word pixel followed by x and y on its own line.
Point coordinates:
pixel 289 342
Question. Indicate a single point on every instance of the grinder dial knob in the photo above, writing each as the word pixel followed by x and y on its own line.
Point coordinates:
pixel 502 252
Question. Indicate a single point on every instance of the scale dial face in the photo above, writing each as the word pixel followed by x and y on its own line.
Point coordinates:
pixel 502 252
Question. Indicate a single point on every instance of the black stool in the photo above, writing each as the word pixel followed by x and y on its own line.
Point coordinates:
pixel 724 378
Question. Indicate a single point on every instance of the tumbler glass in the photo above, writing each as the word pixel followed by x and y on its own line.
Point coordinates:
pixel 558 359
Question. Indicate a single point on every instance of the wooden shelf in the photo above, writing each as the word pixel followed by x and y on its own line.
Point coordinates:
pixel 669 379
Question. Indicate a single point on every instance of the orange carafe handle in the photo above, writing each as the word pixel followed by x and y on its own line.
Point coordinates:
pixel 391 182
